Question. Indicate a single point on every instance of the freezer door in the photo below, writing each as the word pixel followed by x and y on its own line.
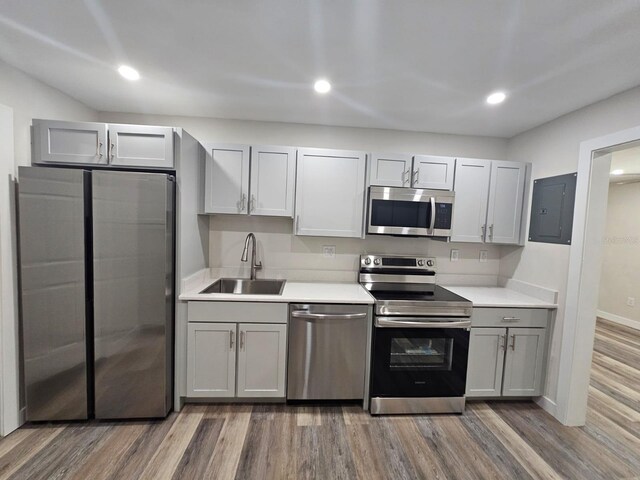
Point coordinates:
pixel 51 206
pixel 133 293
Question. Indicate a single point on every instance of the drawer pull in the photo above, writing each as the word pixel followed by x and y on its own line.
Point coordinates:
pixel 510 319
pixel 513 343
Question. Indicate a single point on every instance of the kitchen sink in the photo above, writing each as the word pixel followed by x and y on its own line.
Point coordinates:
pixel 242 286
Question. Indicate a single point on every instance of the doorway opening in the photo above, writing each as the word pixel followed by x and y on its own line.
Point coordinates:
pixel 583 287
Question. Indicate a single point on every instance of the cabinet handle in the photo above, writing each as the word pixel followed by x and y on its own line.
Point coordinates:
pixel 297 223
pixel 491 231
pixel 503 344
pixel 252 204
pixel 510 319
pixel 230 339
pixel 416 174
pixel 243 201
pixel 482 229
pixel 405 176
pixel 241 339
pixel 513 343
pixel 112 151
pixel 99 148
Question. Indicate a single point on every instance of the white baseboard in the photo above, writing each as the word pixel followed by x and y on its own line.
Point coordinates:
pixel 618 319
pixel 547 405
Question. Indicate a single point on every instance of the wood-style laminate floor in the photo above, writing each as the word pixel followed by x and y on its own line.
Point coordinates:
pixel 491 440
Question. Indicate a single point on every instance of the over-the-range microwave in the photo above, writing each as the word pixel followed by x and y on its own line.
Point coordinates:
pixel 410 211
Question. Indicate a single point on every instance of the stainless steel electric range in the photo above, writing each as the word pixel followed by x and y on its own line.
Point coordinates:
pixel 420 337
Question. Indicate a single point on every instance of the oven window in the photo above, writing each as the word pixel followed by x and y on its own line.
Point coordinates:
pixel 412 354
pixel 397 213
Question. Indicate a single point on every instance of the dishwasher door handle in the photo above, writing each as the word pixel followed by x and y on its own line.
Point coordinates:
pixel 327 316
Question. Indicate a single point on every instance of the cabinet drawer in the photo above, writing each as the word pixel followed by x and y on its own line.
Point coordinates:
pixel 510 317
pixel 253 312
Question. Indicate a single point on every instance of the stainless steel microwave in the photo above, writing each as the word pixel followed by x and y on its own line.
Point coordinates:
pixel 410 211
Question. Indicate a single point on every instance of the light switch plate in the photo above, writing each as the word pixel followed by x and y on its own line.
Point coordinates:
pixel 483 256
pixel 455 254
pixel 328 251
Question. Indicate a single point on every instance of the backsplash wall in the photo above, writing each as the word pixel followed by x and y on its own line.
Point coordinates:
pixel 284 255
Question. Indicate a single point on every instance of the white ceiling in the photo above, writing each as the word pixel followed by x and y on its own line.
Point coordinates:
pixel 402 64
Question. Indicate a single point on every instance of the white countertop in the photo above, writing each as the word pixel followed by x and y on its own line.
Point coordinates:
pixel 293 292
pixel 498 297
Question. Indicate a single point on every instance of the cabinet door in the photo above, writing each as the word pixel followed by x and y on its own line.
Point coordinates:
pixel 69 142
pixel 141 146
pixel 486 362
pixel 273 176
pixel 211 359
pixel 262 359
pixel 330 192
pixel 390 170
pixel 523 368
pixel 506 194
pixel 471 186
pixel 433 172
pixel 226 179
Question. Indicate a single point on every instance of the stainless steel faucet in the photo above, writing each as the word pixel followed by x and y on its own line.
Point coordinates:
pixel 245 253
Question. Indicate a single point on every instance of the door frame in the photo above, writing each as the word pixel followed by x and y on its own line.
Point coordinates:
pixel 9 365
pixel 578 330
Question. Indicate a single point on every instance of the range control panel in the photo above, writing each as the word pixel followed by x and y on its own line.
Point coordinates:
pixel 397 262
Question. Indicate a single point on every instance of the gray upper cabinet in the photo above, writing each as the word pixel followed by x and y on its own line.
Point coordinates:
pixel 523 366
pixel 135 146
pixel 273 176
pixel 471 187
pixel 241 179
pixel 390 170
pixel 69 142
pixel 420 171
pixel 226 178
pixel 141 146
pixel 330 193
pixel 489 201
pixel 506 196
pixel 432 172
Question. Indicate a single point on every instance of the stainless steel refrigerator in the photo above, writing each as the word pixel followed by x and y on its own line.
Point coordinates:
pixel 97 283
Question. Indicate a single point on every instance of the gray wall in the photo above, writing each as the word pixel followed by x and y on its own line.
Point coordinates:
pixel 553 149
pixel 621 253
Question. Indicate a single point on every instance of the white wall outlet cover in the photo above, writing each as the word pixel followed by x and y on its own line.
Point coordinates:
pixel 455 254
pixel 328 251
pixel 631 301
pixel 483 256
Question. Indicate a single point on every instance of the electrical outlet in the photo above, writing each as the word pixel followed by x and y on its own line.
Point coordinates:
pixel 328 251
pixel 631 301
pixel 455 254
pixel 483 256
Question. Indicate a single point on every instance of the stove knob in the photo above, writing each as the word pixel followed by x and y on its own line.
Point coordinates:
pixel 430 263
pixel 421 263
pixel 376 261
pixel 367 261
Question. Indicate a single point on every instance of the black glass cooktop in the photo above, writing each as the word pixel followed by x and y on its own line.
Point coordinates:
pixel 435 294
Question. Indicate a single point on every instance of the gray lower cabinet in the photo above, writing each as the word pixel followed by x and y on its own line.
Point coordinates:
pixel 507 361
pixel 236 360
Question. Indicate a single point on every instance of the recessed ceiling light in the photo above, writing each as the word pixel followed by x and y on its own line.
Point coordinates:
pixel 496 98
pixel 322 86
pixel 129 73
pixel 617 172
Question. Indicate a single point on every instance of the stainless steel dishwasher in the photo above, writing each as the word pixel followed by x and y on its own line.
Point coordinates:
pixel 327 352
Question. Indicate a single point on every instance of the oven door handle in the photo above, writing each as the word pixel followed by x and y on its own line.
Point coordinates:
pixel 384 323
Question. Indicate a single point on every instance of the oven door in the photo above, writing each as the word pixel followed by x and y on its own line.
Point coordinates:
pixel 409 211
pixel 420 359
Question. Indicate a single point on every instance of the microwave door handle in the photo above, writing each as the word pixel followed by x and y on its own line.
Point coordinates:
pixel 433 215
